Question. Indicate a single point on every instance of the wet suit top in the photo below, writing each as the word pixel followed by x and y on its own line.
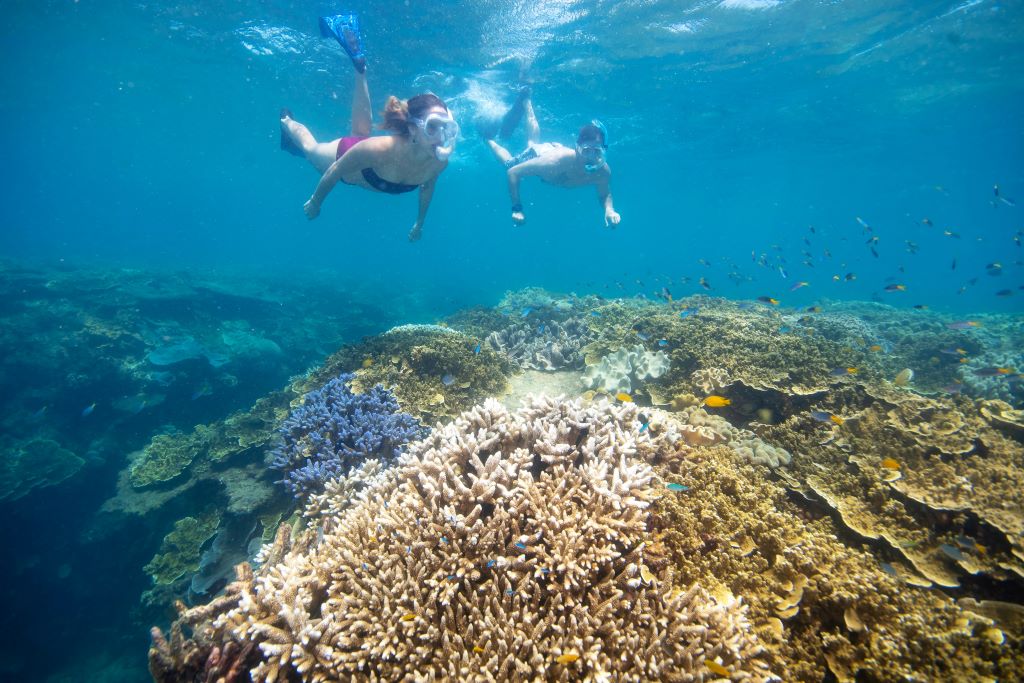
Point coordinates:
pixel 369 175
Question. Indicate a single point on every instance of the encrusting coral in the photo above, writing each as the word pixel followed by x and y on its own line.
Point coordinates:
pixel 506 545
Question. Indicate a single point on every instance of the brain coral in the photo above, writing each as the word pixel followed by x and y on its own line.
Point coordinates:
pixel 506 545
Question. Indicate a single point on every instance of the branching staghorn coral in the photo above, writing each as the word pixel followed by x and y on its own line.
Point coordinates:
pixel 506 545
pixel 334 431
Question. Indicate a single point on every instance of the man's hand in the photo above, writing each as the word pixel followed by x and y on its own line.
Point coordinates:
pixel 312 209
pixel 518 217
pixel 611 218
pixel 416 233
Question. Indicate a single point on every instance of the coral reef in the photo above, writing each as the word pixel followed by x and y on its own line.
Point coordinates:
pixel 167 456
pixel 625 369
pixel 507 545
pixel 334 430
pixel 29 465
pixel 180 551
pixel 551 345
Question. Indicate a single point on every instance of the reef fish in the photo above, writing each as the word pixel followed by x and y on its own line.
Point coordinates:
pixel 823 416
pixel 87 411
pixel 624 397
pixel 799 285
pixel 408 617
pixel 895 288
pixel 903 377
pixel 840 372
pixel 768 300
pixel 687 312
pixel 992 371
pixel 952 552
pixel 716 401
pixel 448 380
pixel 476 349
pixel 713 666
pixel 890 464
pixel 677 487
pixel 963 324
pixel 567 658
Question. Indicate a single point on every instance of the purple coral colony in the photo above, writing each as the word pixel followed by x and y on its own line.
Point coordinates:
pixel 335 430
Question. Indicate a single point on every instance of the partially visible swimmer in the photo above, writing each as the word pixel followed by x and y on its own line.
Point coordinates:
pixel 554 163
pixel 423 135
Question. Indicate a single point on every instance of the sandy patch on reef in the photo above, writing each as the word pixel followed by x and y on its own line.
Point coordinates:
pixel 568 383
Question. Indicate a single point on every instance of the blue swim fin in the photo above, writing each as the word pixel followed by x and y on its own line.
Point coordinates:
pixel 345 29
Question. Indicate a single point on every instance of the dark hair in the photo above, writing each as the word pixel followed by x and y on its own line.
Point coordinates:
pixel 398 113
pixel 591 133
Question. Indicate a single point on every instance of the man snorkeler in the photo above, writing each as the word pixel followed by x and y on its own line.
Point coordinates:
pixel 552 162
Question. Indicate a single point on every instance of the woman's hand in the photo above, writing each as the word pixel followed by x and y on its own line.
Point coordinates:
pixel 611 218
pixel 417 232
pixel 312 209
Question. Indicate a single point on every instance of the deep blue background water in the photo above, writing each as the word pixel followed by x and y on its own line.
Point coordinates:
pixel 145 134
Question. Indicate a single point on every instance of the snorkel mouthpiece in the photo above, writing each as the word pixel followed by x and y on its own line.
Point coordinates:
pixel 442 153
pixel 591 145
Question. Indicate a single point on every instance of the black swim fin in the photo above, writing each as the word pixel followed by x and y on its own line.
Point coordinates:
pixel 514 115
pixel 287 144
pixel 345 29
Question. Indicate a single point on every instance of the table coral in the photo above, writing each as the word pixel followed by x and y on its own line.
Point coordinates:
pixel 180 551
pixel 33 464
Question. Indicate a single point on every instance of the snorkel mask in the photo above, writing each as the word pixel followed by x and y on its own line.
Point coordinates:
pixel 442 131
pixel 592 151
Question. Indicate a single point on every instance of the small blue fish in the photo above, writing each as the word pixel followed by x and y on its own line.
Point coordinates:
pixel 643 336
pixel 39 413
pixel 448 380
pixel 491 563
pixel 87 411
pixel 821 416
pixel 526 311
pixel 687 312
pixel 785 329
pixel 540 328
pixel 663 343
pixel 444 539
pixel 451 577
pixel 952 552
pixel 520 545
pixel 596 314
pixel 889 569
pixel 677 487
pixel 365 566
pixel 510 592
pixel 644 427
pixel 476 349
pixel 965 542
pixel 204 390
pixel 783 273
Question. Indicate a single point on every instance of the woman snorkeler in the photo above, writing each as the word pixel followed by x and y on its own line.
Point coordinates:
pixel 423 135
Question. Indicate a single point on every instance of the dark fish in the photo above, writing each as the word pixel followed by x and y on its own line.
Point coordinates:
pixel 992 371
pixel 448 380
pixel 895 288
pixel 850 277
pixel 921 307
pixel 476 349
pixel 87 411
pixel 704 283
pixel 1004 292
pixel 953 266
pixel 927 221
pixel 687 312
pixel 963 324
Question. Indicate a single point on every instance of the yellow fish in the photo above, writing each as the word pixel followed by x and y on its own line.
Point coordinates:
pixel 716 401
pixel 624 397
pixel 567 658
pixel 367 362
pixel 875 347
pixel 716 668
pixel 835 418
pixel 890 464
pixel 477 649
pixel 409 617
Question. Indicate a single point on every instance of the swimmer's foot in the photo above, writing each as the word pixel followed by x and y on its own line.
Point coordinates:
pixel 345 29
pixel 487 128
pixel 287 143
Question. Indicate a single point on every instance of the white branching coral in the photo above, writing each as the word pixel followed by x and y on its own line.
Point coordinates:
pixel 504 546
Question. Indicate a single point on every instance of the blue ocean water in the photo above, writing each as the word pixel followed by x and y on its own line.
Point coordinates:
pixel 144 136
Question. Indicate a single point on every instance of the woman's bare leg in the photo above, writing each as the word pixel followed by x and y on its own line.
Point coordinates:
pixel 320 154
pixel 362 114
